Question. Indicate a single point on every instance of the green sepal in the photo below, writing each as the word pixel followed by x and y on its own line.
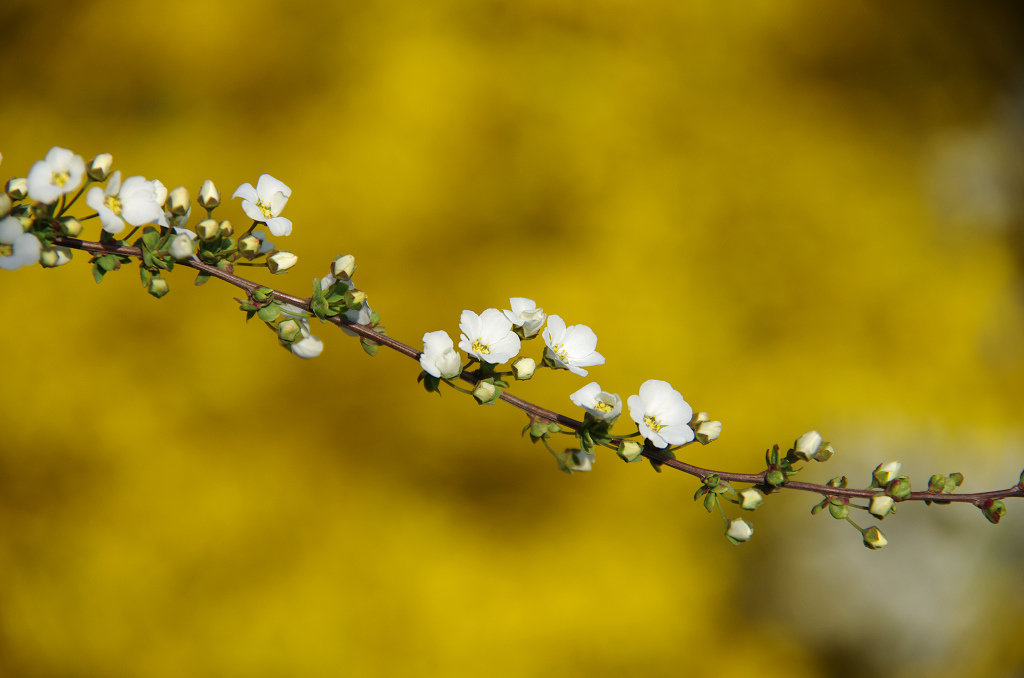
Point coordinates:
pixel 710 501
pixel 145 275
pixel 818 508
pixel 202 278
pixel 150 239
pixel 98 272
pixel 838 510
pixel 374 318
pixel 108 262
pixel 318 302
pixel 262 293
pixel 431 383
pixel 269 313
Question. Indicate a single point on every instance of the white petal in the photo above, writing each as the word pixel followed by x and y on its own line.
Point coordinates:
pixel 307 348
pixel 10 230
pixel 246 192
pixel 279 226
pixel 268 185
pixel 253 212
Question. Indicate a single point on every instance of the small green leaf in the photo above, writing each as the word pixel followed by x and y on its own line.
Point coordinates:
pixel 150 238
pixel 145 275
pixel 202 278
pixel 269 313
pixel 98 272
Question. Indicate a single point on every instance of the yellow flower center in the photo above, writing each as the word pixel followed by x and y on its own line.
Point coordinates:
pixel 562 354
pixel 265 208
pixel 6 250
pixel 652 423
pixel 602 406
pixel 113 203
pixel 60 178
pixel 480 348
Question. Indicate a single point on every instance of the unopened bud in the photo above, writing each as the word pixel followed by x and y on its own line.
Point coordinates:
pixel 824 453
pixel 806 446
pixel 181 247
pixel 281 261
pixel 343 267
pixel 881 505
pixel 70 226
pixel 838 509
pixel 5 205
pixel 698 419
pixel 739 531
pixel 523 368
pixel 289 330
pixel 899 489
pixel 355 298
pixel 751 498
pixel 178 201
pixel 58 256
pixel 17 188
pixel 99 167
pixel 209 196
pixel 158 287
pixel 994 510
pixel 708 431
pixel 874 539
pixel 485 392
pixel 249 246
pixel 208 229
pixel 225 229
pixel 629 450
pixel 887 472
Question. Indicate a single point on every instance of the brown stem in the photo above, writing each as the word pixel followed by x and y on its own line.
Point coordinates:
pixel 539 413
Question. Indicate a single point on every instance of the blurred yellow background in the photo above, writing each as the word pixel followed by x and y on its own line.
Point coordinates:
pixel 803 215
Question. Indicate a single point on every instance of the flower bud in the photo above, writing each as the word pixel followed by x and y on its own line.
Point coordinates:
pixel 806 446
pixel 629 450
pixel 289 330
pixel 751 498
pixel 824 452
pixel 775 477
pixel 225 229
pixel 739 531
pixel 994 510
pixel 523 368
pixel 178 201
pixel 874 539
pixel 52 258
pixel 181 247
pixel 5 205
pixel 708 431
pixel 355 298
pixel 99 167
pixel 208 229
pixel 698 419
pixel 209 196
pixel 580 460
pixel 249 246
pixel 17 189
pixel 343 267
pixel 280 262
pixel 70 226
pixel 838 509
pixel 485 392
pixel 881 505
pixel 899 489
pixel 885 473
pixel 158 287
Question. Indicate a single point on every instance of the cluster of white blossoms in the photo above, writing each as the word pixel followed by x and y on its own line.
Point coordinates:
pixel 494 337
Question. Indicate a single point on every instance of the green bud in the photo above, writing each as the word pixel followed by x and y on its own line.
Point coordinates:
pixel 486 393
pixel 937 483
pixel 262 294
pixel 775 477
pixel 290 330
pixel 838 510
pixel 839 481
pixel 629 450
pixel 355 298
pixel 874 539
pixel 899 489
pixel 956 479
pixel 994 510
pixel 158 287
pixel 17 188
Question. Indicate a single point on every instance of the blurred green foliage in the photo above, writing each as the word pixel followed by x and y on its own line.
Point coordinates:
pixel 803 215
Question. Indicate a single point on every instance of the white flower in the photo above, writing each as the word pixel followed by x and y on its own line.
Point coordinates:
pixel 265 202
pixel 661 414
pixel 17 248
pixel 307 347
pixel 580 460
pixel 136 201
pixel 600 404
pixel 488 337
pixel 58 173
pixel 525 314
pixel 739 531
pixel 572 347
pixel 439 357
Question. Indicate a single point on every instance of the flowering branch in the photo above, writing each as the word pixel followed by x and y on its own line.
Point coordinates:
pixel 43 232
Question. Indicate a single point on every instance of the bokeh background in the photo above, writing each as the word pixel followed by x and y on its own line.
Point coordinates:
pixel 802 214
